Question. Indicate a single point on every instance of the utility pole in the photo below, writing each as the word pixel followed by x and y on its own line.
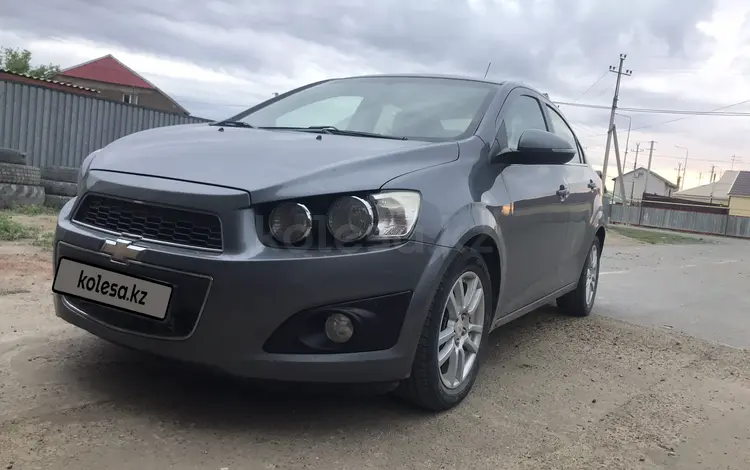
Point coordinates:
pixel 679 174
pixel 648 170
pixel 684 167
pixel 711 182
pixel 637 149
pixel 635 164
pixel 711 178
pixel 610 128
pixel 627 139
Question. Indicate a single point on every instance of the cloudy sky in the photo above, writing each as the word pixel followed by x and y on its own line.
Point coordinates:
pixel 217 57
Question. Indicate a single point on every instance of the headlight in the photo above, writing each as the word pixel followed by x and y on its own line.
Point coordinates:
pixel 397 213
pixel 83 171
pixel 290 222
pixel 350 219
pixel 385 216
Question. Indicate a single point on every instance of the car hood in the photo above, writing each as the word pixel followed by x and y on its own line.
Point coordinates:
pixel 270 165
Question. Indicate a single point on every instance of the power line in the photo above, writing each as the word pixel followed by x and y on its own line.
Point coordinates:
pixel 709 160
pixel 735 159
pixel 592 86
pixel 660 111
pixel 692 159
pixel 648 126
pixel 603 90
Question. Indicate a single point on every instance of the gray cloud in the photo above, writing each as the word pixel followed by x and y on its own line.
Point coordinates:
pixel 559 46
pixel 532 44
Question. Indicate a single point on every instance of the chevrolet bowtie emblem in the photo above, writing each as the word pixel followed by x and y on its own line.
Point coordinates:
pixel 122 250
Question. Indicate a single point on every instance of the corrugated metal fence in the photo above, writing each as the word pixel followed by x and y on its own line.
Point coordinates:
pixel 699 222
pixel 59 129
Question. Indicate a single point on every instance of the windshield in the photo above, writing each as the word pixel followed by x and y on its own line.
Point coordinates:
pixel 432 109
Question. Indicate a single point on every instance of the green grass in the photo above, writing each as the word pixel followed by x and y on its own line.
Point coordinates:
pixel 33 210
pixel 12 230
pixel 657 238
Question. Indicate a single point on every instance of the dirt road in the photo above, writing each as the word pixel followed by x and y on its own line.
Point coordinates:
pixel 554 393
pixel 698 288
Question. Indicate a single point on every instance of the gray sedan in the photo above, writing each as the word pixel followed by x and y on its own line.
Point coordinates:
pixel 359 230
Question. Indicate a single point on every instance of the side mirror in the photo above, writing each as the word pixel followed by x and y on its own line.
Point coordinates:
pixel 537 147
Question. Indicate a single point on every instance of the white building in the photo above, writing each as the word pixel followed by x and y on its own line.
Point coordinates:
pixel 715 192
pixel 635 185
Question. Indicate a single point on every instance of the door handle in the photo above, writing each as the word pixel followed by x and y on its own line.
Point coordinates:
pixel 592 185
pixel 563 192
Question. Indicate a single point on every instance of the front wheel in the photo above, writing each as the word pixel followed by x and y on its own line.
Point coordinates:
pixel 453 337
pixel 579 302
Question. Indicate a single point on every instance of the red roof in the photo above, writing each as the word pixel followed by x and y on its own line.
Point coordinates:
pixel 107 69
pixel 7 75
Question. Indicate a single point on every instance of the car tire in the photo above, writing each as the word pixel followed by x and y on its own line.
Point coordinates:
pixel 59 188
pixel 12 173
pixel 428 385
pixel 12 156
pixel 60 173
pixel 580 302
pixel 13 195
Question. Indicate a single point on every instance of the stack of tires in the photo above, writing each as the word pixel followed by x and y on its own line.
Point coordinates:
pixel 20 184
pixel 60 184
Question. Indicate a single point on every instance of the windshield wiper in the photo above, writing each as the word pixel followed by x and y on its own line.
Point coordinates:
pixel 230 123
pixel 336 131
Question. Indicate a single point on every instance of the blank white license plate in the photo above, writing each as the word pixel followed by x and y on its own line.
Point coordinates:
pixel 109 288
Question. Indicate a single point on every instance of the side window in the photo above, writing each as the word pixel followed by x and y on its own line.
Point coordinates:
pixel 331 111
pixel 560 128
pixel 524 113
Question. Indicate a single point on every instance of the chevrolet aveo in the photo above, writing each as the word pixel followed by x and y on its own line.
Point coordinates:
pixel 358 230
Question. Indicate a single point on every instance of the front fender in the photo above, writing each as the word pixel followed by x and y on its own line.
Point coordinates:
pixel 458 232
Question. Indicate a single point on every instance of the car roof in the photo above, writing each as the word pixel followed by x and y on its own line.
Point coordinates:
pixel 499 84
pixel 422 75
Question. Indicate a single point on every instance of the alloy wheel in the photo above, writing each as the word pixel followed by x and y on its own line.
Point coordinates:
pixel 461 329
pixel 592 274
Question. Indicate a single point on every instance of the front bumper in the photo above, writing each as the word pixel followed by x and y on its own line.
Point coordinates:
pixel 226 306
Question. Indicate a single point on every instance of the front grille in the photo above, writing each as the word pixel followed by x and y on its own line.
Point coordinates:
pixel 161 224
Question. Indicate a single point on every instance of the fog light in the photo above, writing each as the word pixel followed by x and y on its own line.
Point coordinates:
pixel 339 328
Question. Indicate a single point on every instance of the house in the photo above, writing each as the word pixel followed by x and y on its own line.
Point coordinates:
pixel 635 184
pixel 739 195
pixel 118 82
pixel 13 77
pixel 716 192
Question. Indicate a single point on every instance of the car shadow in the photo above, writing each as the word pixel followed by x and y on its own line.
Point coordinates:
pixel 137 383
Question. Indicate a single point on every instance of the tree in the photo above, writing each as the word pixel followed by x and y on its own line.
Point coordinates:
pixel 19 61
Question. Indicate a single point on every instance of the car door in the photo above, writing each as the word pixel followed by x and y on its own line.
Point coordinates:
pixel 583 183
pixel 536 230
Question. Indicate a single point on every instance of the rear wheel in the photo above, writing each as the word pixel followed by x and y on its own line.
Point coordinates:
pixel 579 302
pixel 453 337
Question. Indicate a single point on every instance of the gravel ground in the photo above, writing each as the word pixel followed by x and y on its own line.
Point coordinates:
pixel 554 393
